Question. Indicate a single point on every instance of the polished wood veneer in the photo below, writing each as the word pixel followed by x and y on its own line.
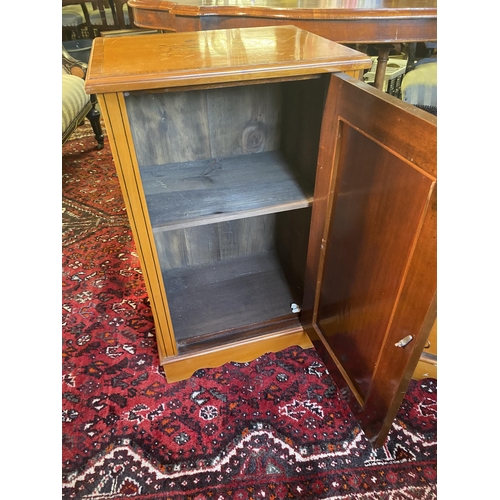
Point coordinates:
pixel 223 56
pixel 377 271
pixel 343 21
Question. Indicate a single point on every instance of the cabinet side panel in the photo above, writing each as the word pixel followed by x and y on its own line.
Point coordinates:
pixel 115 118
pixel 303 105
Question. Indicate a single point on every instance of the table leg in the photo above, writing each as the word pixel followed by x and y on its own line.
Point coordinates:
pixel 383 57
pixel 412 50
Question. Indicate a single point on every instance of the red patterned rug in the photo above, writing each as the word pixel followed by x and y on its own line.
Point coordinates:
pixel 275 428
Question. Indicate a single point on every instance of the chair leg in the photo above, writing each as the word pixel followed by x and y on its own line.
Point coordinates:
pixel 94 117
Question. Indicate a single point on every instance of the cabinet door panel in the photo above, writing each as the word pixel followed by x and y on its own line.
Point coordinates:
pixel 377 267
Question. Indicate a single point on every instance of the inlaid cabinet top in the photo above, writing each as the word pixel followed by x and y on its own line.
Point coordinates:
pixel 156 61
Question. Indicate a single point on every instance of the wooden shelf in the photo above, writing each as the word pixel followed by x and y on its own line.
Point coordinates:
pixel 214 190
pixel 227 294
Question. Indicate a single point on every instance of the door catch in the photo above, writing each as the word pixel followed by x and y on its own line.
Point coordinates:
pixel 405 341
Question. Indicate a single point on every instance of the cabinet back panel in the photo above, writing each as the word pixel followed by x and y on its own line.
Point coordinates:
pixel 223 276
pixel 244 119
pixel 174 127
pixel 209 243
pixel 291 236
pixel 169 127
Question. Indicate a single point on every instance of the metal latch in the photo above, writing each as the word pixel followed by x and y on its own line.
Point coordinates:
pixel 405 341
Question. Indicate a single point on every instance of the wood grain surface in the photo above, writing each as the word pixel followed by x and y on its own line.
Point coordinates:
pixel 228 55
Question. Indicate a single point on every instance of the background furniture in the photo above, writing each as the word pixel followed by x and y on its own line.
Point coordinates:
pixel 270 209
pixel 76 103
pixel 343 21
pixel 98 16
pixel 111 15
pixel 73 21
pixel 394 73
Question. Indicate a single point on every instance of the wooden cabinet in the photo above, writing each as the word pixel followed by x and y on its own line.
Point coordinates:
pixel 274 200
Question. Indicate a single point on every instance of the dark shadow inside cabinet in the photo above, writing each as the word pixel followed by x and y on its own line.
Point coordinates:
pixel 228 175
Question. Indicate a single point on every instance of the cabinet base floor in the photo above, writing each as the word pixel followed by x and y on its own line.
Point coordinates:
pixel 182 367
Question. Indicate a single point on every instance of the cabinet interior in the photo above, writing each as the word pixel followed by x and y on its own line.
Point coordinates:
pixel 228 175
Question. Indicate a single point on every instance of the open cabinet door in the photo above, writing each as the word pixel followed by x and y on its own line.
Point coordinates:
pixel 375 261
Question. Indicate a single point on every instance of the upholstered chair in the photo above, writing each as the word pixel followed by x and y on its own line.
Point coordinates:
pixel 419 86
pixel 76 103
